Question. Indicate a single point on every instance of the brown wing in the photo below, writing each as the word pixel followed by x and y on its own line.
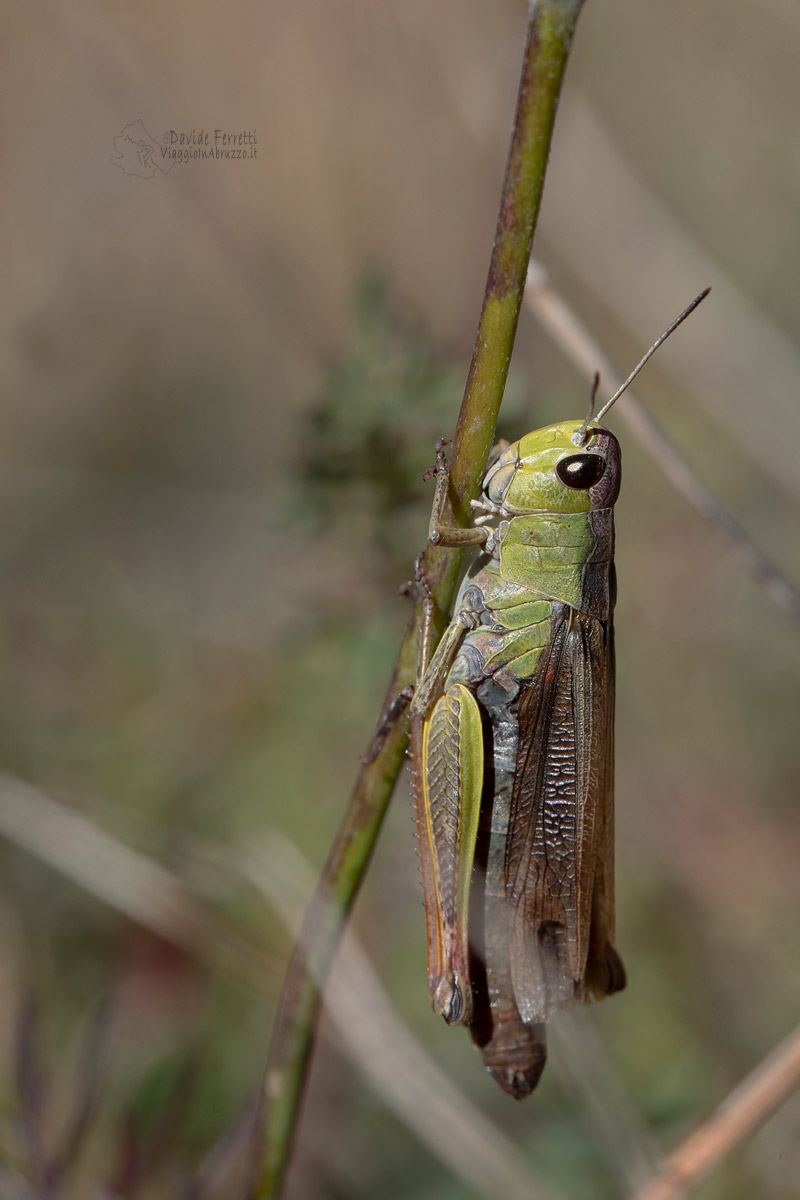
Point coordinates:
pixel 559 852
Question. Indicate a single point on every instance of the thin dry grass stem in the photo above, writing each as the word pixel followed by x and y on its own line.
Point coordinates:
pixel 89 1081
pixel 30 1083
pixel 14 1187
pixel 399 1069
pixel 744 1110
pixel 745 371
pixel 588 1074
pixel 129 882
pixel 577 343
pixel 235 1157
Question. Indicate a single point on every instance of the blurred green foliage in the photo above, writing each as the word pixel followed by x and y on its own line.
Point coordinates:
pixel 368 441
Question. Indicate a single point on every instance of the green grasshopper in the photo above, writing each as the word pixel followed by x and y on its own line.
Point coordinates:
pixel 512 739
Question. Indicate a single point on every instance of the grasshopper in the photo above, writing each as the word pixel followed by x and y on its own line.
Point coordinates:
pixel 512 740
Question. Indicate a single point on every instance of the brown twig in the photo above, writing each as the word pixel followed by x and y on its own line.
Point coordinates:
pixel 575 340
pixel 764 1090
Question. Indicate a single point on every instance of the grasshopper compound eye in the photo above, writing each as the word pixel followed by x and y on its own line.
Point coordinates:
pixel 581 471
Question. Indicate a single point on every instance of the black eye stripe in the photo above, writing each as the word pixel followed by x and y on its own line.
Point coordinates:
pixel 581 471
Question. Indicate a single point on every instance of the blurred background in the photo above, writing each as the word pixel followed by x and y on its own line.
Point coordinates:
pixel 221 385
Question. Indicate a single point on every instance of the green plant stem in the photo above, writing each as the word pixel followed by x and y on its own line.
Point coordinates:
pixel 550 30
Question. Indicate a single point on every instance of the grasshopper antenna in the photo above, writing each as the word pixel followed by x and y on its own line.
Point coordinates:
pixel 580 437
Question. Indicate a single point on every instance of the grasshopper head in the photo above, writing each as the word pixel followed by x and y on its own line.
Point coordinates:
pixel 546 471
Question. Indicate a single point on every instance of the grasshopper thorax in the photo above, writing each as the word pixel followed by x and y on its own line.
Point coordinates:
pixel 547 471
